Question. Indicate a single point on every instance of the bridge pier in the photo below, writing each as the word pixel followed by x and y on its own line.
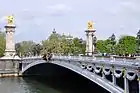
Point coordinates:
pixel 9 67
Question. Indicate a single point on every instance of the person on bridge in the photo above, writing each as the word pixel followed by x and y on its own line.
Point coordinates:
pixel 44 57
pixel 47 56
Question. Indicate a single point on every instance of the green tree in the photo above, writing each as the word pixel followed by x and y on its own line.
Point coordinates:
pixel 26 48
pixel 2 43
pixel 108 46
pixel 62 44
pixel 18 49
pixel 126 45
pixel 53 43
pixel 100 46
pixel 104 46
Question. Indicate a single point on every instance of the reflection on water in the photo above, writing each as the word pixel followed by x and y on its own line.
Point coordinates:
pixel 19 85
pixel 40 85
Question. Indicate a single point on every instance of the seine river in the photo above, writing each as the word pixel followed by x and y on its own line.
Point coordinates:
pixel 26 85
pixel 30 85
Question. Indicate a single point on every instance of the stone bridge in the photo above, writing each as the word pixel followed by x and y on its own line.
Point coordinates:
pixel 107 73
pixel 96 70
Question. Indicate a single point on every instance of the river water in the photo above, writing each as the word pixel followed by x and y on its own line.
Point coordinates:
pixel 20 85
pixel 30 85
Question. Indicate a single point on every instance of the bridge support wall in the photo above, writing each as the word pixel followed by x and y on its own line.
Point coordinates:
pixel 9 67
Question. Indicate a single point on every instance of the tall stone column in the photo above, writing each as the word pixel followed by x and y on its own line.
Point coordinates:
pixel 90 32
pixel 10 42
pixel 10 61
pixel 10 52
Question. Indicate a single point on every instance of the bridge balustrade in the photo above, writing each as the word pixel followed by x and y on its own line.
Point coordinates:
pixel 113 65
pixel 117 68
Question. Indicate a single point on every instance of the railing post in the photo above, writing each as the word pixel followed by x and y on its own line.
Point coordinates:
pixel 126 90
pixel 126 83
pixel 113 79
pixel 113 75
pixel 94 69
pixel 103 75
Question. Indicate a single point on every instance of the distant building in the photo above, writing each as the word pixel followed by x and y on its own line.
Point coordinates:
pixel 54 31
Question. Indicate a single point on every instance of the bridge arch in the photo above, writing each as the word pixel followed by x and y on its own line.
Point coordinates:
pixel 94 78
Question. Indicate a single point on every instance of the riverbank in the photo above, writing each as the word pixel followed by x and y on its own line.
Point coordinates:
pixel 9 75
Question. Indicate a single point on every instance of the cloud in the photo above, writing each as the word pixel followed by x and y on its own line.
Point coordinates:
pixel 2 21
pixel 126 7
pixel 58 9
pixel 131 8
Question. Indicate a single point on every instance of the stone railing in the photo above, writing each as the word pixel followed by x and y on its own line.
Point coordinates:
pixel 128 69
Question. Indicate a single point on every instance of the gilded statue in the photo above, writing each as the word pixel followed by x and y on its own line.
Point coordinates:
pixel 90 25
pixel 10 19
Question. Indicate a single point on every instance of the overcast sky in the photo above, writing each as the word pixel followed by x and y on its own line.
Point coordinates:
pixel 35 19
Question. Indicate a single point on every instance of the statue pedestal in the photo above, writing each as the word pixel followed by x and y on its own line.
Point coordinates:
pixel 89 42
pixel 10 43
pixel 9 64
pixel 10 53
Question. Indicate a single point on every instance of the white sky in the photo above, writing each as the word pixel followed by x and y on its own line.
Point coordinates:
pixel 35 19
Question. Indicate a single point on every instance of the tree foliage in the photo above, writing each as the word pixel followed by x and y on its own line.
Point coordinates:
pixel 126 45
pixel 106 46
pixel 2 43
pixel 26 48
pixel 62 44
pixel 101 46
pixel 65 45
